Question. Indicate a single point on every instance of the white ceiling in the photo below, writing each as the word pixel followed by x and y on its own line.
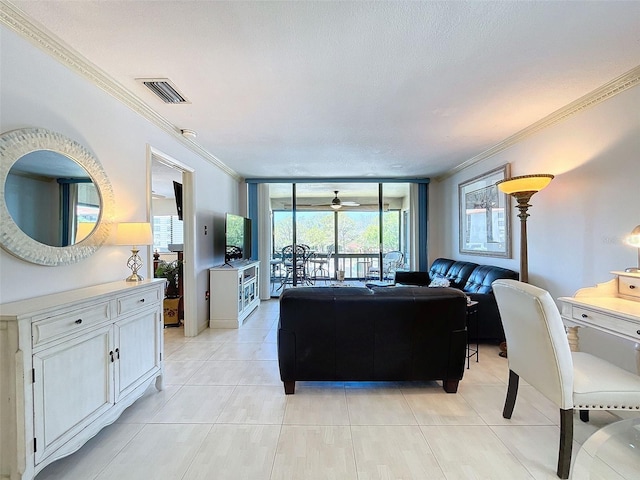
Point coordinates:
pixel 350 89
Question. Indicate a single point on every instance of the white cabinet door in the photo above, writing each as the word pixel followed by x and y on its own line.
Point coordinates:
pixel 73 385
pixel 137 355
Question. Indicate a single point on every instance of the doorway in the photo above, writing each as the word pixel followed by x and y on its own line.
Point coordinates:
pixel 172 217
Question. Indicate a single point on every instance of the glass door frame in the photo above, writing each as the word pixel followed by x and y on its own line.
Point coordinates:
pixel 421 240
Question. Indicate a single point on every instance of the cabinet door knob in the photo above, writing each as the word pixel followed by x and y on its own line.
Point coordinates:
pixel 111 355
pixel 118 353
pixel 78 321
pixel 584 315
pixel 142 300
pixel 631 287
pixel 638 332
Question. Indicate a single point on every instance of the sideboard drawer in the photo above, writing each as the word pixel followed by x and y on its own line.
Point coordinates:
pixel 605 322
pixel 131 303
pixel 58 326
pixel 629 286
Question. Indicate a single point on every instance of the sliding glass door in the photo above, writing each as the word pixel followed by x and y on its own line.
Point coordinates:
pixel 351 229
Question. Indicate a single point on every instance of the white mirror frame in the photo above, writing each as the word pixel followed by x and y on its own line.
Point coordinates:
pixel 13 146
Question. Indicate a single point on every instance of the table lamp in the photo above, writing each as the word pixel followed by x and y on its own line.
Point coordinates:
pixel 134 234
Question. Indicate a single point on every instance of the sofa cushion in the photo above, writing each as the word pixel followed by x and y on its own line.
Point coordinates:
pixel 483 276
pixel 459 272
pixel 439 267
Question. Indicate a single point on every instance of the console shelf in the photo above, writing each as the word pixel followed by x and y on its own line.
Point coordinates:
pixel 234 293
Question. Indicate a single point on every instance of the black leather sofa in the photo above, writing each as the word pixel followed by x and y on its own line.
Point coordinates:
pixel 372 334
pixel 475 281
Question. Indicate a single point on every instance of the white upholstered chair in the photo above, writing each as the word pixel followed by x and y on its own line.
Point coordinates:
pixel 539 353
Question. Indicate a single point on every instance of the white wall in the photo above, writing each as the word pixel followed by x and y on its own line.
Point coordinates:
pixel 38 91
pixel 578 222
pixel 164 206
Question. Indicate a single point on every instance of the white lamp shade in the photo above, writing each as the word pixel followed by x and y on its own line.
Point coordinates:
pixel 525 183
pixel 134 234
pixel 634 238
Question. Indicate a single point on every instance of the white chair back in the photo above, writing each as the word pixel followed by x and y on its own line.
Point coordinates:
pixel 538 346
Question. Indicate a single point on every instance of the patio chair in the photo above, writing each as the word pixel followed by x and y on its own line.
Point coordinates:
pixel 294 259
pixel 320 266
pixel 391 262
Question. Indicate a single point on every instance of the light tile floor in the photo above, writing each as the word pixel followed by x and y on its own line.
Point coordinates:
pixel 224 415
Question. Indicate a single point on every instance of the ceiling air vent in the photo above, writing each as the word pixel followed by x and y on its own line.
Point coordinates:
pixel 164 89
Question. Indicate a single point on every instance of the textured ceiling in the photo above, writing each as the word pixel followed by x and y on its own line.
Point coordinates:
pixel 352 88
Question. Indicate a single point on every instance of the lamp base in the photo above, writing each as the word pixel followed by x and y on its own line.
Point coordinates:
pixel 134 277
pixel 135 264
pixel 632 270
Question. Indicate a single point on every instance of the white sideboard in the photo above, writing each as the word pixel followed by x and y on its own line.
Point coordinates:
pixel 235 293
pixel 70 363
pixel 612 307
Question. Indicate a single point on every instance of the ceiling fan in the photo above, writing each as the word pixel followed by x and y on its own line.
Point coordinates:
pixel 337 204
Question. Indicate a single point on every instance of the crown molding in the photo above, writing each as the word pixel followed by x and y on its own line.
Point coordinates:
pixel 13 18
pixel 617 85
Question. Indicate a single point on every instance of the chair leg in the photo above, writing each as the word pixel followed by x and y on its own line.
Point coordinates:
pixel 584 415
pixel 512 393
pixel 566 442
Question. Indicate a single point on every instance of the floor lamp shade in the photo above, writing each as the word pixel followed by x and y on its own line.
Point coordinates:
pixel 524 183
pixel 134 234
pixel 522 189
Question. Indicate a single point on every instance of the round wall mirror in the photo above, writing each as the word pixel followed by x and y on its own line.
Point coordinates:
pixel 55 199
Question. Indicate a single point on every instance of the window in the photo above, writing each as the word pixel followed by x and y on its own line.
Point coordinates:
pixel 166 229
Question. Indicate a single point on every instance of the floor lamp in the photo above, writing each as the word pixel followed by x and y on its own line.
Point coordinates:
pixel 522 189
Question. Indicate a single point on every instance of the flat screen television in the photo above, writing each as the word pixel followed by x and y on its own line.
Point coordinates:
pixel 177 190
pixel 237 238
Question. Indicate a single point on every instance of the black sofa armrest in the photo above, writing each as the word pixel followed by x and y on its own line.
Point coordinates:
pixel 412 278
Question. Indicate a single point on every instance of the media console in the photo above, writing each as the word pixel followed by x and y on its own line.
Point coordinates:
pixel 234 293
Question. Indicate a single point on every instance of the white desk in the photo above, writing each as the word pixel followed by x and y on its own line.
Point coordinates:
pixel 612 307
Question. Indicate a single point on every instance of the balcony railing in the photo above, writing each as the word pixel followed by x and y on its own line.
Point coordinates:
pixel 356 267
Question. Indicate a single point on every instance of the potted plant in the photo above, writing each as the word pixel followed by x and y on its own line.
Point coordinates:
pixel 172 271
